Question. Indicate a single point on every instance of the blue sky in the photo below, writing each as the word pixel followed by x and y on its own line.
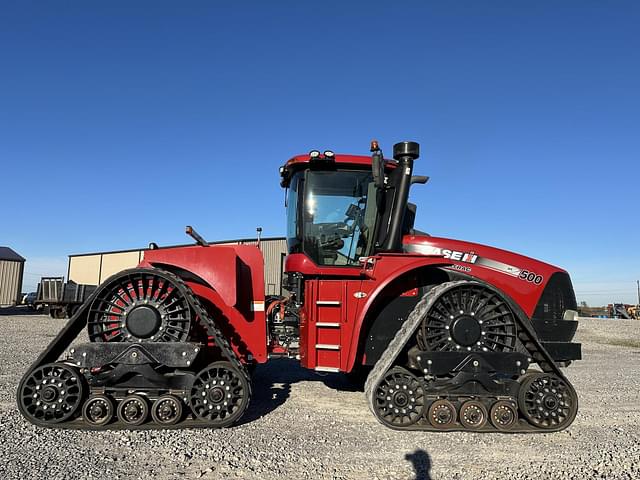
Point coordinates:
pixel 121 122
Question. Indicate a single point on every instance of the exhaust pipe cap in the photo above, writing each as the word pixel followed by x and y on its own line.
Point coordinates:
pixel 406 149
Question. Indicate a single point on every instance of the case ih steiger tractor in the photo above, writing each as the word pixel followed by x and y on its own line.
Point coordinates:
pixel 454 335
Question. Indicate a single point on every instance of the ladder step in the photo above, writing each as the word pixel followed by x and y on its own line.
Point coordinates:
pixel 327 369
pixel 328 302
pixel 327 324
pixel 326 346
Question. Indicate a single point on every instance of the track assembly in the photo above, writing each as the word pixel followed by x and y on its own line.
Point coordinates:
pixel 469 368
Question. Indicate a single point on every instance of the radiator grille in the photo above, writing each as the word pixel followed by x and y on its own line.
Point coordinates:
pixel 557 297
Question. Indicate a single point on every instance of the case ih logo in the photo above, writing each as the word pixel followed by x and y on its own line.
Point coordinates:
pixel 467 257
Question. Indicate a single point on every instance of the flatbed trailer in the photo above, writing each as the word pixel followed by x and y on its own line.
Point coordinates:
pixel 60 299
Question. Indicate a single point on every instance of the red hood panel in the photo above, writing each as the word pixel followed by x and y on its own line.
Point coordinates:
pixel 520 277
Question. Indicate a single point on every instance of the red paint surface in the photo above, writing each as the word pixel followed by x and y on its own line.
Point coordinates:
pixel 234 279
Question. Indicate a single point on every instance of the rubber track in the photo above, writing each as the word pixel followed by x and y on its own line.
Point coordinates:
pixel 78 322
pixel 525 334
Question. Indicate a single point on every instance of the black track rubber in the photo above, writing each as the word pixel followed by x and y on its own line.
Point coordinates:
pixel 526 335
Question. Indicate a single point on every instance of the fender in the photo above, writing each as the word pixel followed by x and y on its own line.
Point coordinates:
pixel 230 279
pixel 387 267
pixel 522 278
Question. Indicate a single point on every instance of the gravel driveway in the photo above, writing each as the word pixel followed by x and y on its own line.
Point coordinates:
pixel 302 425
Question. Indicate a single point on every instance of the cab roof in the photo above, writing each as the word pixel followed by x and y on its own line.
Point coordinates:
pixel 300 162
pixel 339 158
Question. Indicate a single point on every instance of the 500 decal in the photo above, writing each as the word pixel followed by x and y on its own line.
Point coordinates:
pixel 530 277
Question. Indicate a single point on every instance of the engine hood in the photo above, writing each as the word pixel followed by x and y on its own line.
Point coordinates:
pixel 521 277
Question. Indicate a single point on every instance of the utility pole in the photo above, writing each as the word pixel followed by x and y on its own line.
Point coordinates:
pixel 638 284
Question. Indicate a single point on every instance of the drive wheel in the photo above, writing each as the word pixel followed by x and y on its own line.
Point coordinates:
pixel 503 415
pixel 167 410
pixel 442 414
pixel 468 317
pixel 133 410
pixel 399 398
pixel 473 415
pixel 220 394
pixel 98 410
pixel 547 401
pixel 52 394
pixel 142 304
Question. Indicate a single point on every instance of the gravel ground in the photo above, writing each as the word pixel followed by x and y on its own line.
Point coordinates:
pixel 302 425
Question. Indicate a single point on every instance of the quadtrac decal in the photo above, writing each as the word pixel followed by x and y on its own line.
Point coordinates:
pixel 474 259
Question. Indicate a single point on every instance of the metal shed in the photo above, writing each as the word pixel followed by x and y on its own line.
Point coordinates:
pixel 11 273
pixel 95 268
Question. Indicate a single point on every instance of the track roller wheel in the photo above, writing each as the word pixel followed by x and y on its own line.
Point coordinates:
pixel 442 414
pixel 547 401
pixel 53 393
pixel 220 394
pixel 503 415
pixel 473 415
pixel 399 398
pixel 167 410
pixel 133 410
pixel 98 410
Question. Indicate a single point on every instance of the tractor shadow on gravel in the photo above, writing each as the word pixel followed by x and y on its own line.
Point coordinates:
pixel 421 464
pixel 272 385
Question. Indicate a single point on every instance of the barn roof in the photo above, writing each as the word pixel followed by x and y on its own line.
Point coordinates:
pixel 7 254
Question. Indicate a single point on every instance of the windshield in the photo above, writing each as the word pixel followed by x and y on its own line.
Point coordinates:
pixel 337 214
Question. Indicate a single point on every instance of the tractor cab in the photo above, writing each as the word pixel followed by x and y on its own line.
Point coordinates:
pixel 331 215
pixel 341 208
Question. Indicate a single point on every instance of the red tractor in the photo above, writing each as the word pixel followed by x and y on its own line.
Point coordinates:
pixel 448 331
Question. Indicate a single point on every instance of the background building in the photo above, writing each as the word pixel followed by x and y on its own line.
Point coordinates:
pixel 11 272
pixel 94 268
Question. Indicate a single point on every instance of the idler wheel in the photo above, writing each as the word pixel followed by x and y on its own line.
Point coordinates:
pixel 220 394
pixel 473 415
pixel 98 410
pixel 503 415
pixel 133 410
pixel 167 410
pixel 547 401
pixel 52 394
pixel 442 414
pixel 399 398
